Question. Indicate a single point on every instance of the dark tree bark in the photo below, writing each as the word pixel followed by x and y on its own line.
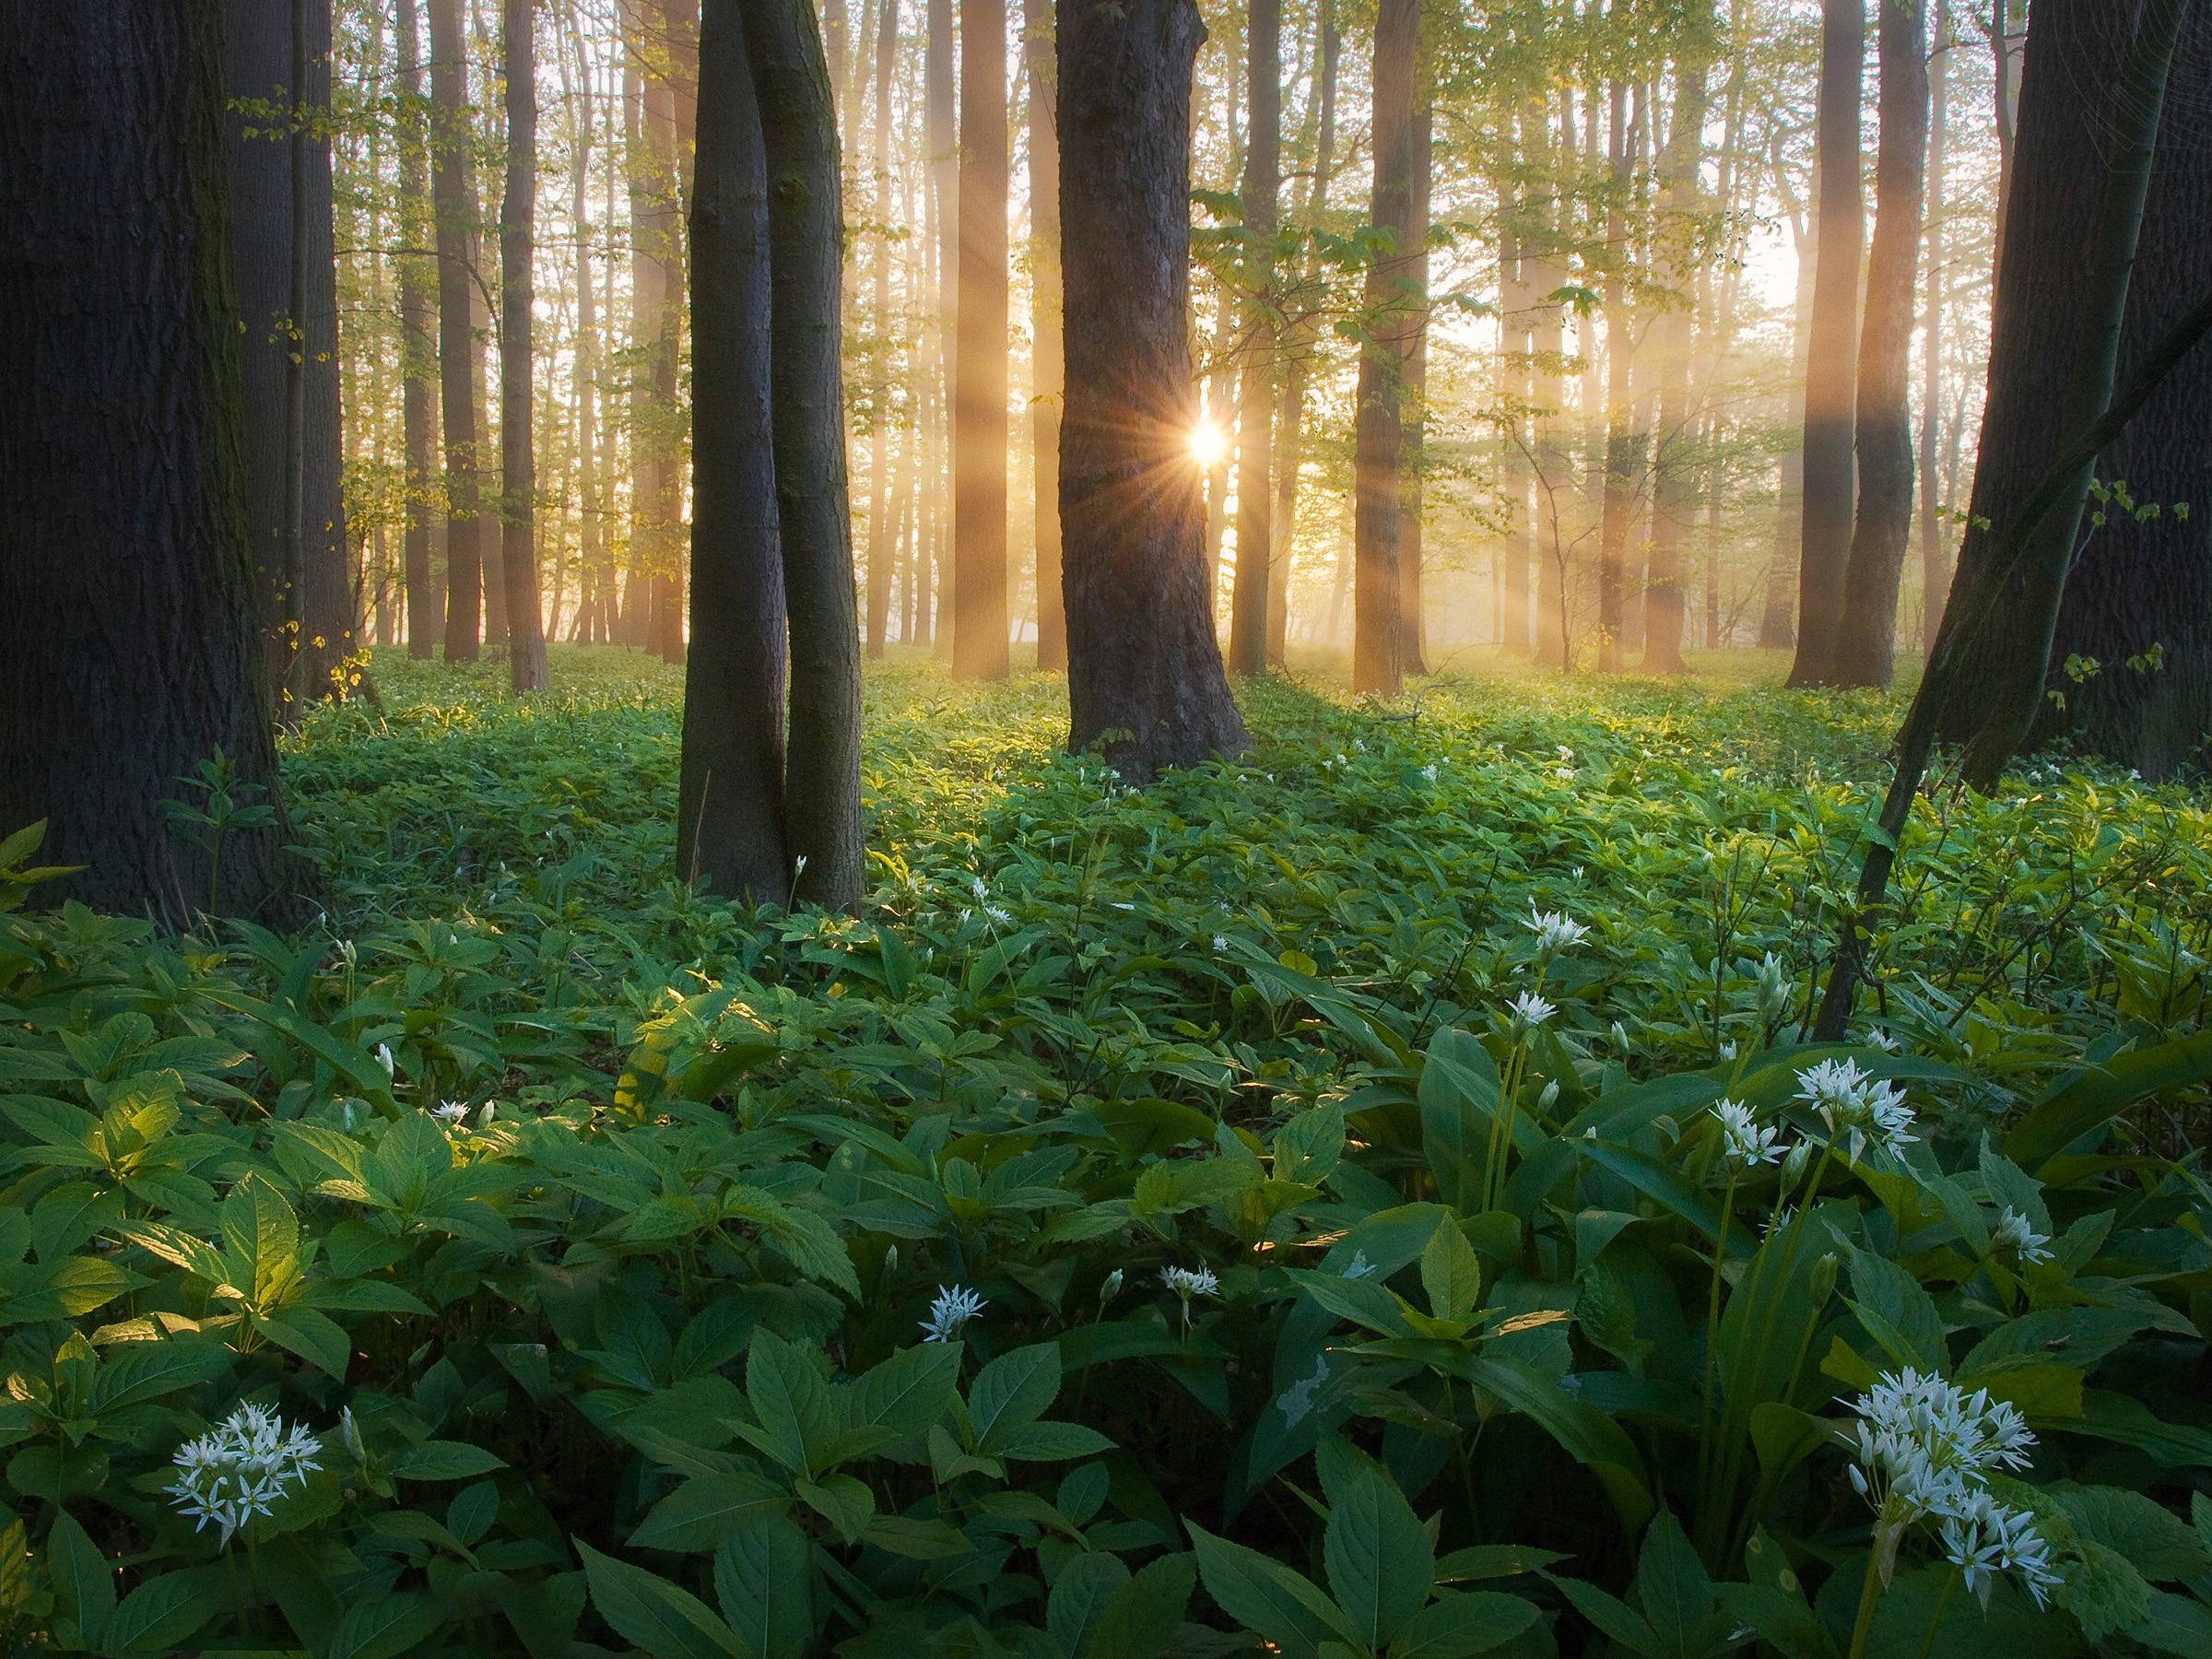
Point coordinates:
pixel 979 372
pixel 883 528
pixel 1144 675
pixel 1867 637
pixel 518 458
pixel 1777 622
pixel 2146 577
pixel 128 647
pixel 453 193
pixel 806 236
pixel 730 833
pixel 1047 373
pixel 1256 387
pixel 1934 563
pixel 1825 540
pixel 1378 431
pixel 418 360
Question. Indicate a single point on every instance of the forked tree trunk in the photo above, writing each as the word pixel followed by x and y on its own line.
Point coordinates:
pixel 1379 434
pixel 730 831
pixel 1867 636
pixel 1825 541
pixel 1255 380
pixel 806 239
pixel 979 375
pixel 1145 676
pixel 128 646
pixel 518 457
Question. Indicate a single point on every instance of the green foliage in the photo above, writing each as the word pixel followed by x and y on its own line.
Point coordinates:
pixel 593 1225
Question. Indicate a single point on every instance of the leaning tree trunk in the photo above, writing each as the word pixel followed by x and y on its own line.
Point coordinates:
pixel 129 653
pixel 979 370
pixel 1145 676
pixel 730 830
pixel 1867 636
pixel 518 457
pixel 1378 429
pixel 1047 377
pixel 1255 376
pixel 805 240
pixel 1824 544
pixel 453 193
pixel 419 361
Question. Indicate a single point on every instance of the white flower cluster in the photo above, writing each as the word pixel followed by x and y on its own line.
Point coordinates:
pixel 1529 1009
pixel 1749 1144
pixel 1187 1282
pixel 1853 1102
pixel 1925 1449
pixel 953 1307
pixel 238 1469
pixel 2013 1233
pixel 1554 931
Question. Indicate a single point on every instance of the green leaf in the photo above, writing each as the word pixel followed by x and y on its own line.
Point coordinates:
pixel 842 1500
pixel 906 1394
pixel 1668 1185
pixel 2156 1542
pixel 446 1460
pixel 1361 1300
pixel 917 1539
pixel 1493 1560
pixel 385 1626
pixel 84 1584
pixel 1610 1615
pixel 699 1515
pixel 2102 1093
pixel 1588 1436
pixel 135 1372
pixel 1455 1626
pixel 316 1338
pixel 1264 1595
pixel 1050 1441
pixel 1012 1392
pixel 1381 1562
pixel 1079 1599
pixel 1672 1588
pixel 762 1578
pixel 2174 1624
pixel 1906 1312
pixel 1451 1275
pixel 2109 1415
pixel 651 1613
pixel 2102 1591
pixel 788 1399
pixel 1143 1618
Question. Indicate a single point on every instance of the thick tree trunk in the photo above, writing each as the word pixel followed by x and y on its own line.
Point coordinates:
pixel 419 361
pixel 1378 430
pixel 1047 374
pixel 1825 540
pixel 128 647
pixel 730 831
pixel 883 529
pixel 1867 637
pixel 1144 675
pixel 1255 380
pixel 518 458
pixel 978 377
pixel 806 239
pixel 454 191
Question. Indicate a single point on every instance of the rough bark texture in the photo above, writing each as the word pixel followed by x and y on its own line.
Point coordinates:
pixel 1144 675
pixel 1047 376
pixel 730 833
pixel 128 650
pixel 883 527
pixel 2134 585
pixel 1378 428
pixel 419 361
pixel 453 189
pixel 1825 541
pixel 978 377
pixel 1255 379
pixel 805 238
pixel 518 456
pixel 1867 637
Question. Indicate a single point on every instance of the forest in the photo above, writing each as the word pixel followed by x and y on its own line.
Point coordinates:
pixel 1110 829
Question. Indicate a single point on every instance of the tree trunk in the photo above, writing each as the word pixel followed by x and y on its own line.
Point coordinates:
pixel 941 137
pixel 1514 318
pixel 418 386
pixel 806 239
pixel 730 829
pixel 1256 384
pixel 1047 375
pixel 1144 675
pixel 1935 564
pixel 1413 643
pixel 1867 637
pixel 454 192
pixel 979 370
pixel 1624 459
pixel 1825 540
pixel 1378 430
pixel 518 459
pixel 128 649
pixel 883 529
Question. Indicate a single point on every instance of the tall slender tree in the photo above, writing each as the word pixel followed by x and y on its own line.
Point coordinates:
pixel 883 529
pixel 1255 383
pixel 1935 560
pixel 518 459
pixel 1144 675
pixel 1047 375
pixel 941 138
pixel 979 372
pixel 1830 393
pixel 453 198
pixel 1412 611
pixel 418 359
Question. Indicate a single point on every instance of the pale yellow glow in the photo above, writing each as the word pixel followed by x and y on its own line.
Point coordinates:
pixel 1209 443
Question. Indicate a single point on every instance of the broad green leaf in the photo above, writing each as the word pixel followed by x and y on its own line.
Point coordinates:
pixel 84 1584
pixel 701 1513
pixel 1672 1588
pixel 2101 1093
pixel 2174 1624
pixel 1050 1441
pixel 1457 1626
pixel 1451 1275
pixel 2156 1542
pixel 1143 1618
pixel 846 1503
pixel 762 1578
pixel 446 1460
pixel 1012 1392
pixel 1381 1563
pixel 1587 1435
pixel 1079 1599
pixel 920 1540
pixel 905 1394
pixel 313 1336
pixel 655 1614
pixel 132 1373
pixel 1264 1595
pixel 385 1627
pixel 789 1401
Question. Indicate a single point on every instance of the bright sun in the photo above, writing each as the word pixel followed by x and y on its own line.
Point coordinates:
pixel 1208 443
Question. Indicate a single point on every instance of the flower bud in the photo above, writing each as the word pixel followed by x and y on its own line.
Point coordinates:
pixel 1550 1097
pixel 1110 1288
pixel 1793 1168
pixel 1821 1281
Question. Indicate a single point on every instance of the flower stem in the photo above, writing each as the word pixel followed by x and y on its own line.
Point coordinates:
pixel 1870 1597
pixel 1927 1642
